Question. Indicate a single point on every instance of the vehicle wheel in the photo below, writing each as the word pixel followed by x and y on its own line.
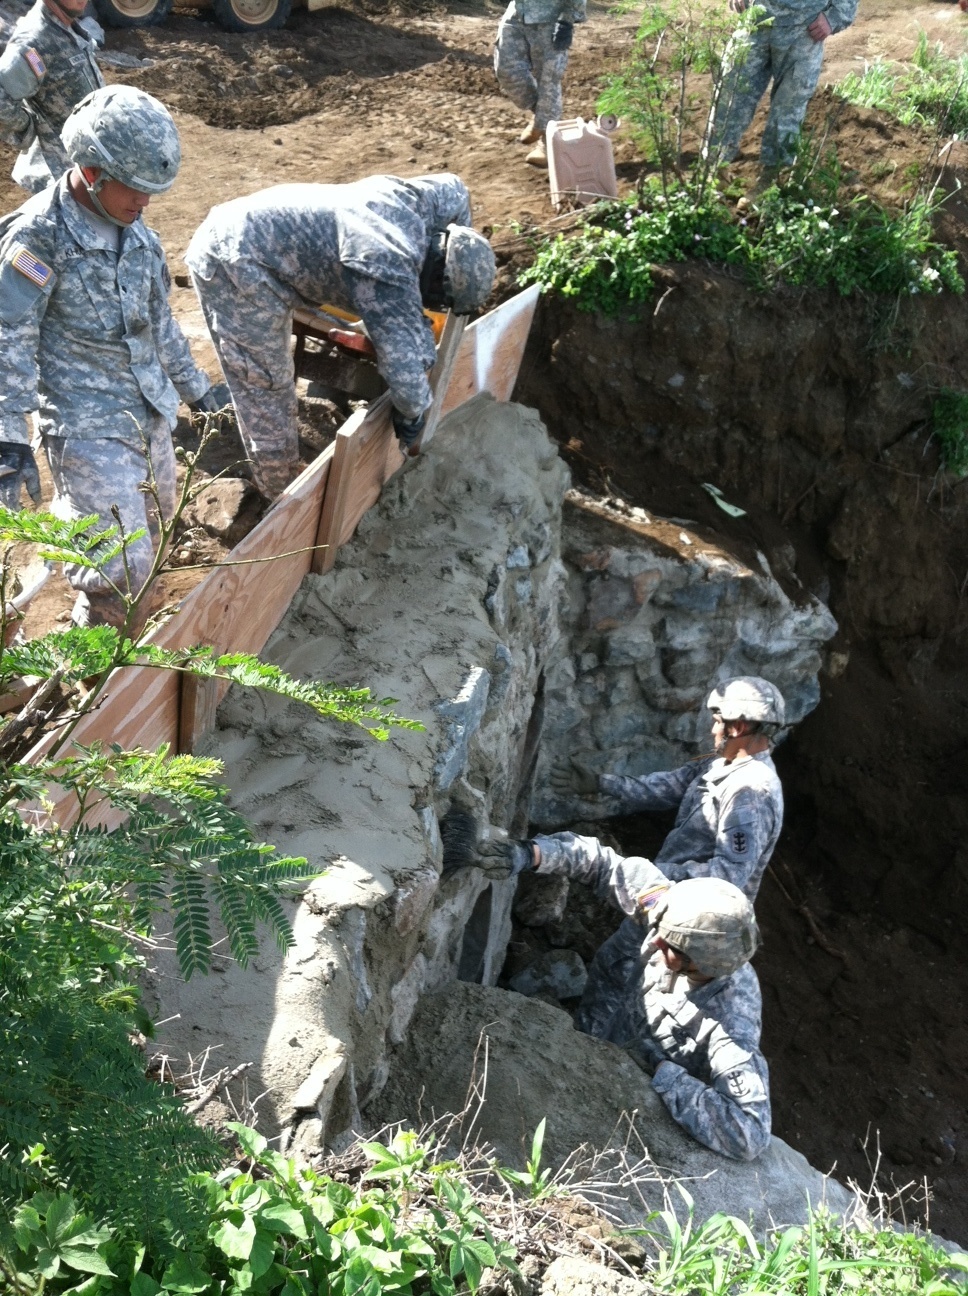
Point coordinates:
pixel 132 13
pixel 251 15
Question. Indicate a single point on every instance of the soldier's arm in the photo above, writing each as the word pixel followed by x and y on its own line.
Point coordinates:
pixel 731 1115
pixel 746 824
pixel 26 282
pixel 663 790
pixel 614 878
pixel 404 341
pixel 173 350
pixel 22 73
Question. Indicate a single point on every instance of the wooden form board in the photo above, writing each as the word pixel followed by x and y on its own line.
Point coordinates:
pixel 240 604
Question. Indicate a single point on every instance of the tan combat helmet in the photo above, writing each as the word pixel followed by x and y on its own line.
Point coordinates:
pixel 711 922
pixel 750 698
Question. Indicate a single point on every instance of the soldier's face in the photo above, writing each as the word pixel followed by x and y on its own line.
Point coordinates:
pixel 71 9
pixel 122 202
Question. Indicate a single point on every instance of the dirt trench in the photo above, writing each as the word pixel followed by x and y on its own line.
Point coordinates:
pixel 804 413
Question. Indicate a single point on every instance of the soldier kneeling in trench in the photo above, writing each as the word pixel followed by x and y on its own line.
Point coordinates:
pixel 689 1011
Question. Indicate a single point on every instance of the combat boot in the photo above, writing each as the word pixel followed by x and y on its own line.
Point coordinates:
pixel 538 157
pixel 530 133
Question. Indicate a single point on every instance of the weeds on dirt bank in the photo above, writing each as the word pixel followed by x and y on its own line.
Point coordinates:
pixel 949 424
pixel 80 905
pixel 402 1216
pixel 931 90
pixel 803 230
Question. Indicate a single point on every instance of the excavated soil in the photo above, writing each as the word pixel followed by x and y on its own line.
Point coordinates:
pixel 808 411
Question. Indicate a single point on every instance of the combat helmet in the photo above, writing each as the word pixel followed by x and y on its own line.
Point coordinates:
pixel 468 269
pixel 748 697
pixel 709 920
pixel 129 135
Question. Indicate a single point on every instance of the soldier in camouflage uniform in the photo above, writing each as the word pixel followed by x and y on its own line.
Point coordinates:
pixel 88 336
pixel 729 808
pixel 689 1009
pixel 47 68
pixel 788 52
pixel 382 248
pixel 530 57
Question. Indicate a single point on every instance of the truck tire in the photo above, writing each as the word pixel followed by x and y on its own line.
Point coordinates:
pixel 132 13
pixel 250 15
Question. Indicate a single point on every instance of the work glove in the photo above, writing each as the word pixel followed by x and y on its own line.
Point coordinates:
pixel 408 430
pixel 18 467
pixel 215 399
pixel 503 857
pixel 562 35
pixel 572 776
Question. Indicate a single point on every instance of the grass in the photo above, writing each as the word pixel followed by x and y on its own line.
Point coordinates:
pixel 930 91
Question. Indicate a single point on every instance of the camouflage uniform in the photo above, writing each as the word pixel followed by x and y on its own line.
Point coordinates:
pixel 728 820
pixel 45 70
pixel 701 1043
pixel 358 246
pixel 529 69
pixel 88 338
pixel 785 53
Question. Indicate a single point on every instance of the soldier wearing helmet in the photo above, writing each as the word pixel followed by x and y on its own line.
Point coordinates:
pixel 88 336
pixel 729 806
pixel 382 248
pixel 47 67
pixel 687 1006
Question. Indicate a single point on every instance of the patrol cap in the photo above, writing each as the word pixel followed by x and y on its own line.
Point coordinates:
pixel 748 697
pixel 128 134
pixel 711 921
pixel 469 268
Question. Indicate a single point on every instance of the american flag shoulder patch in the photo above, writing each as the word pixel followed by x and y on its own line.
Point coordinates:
pixel 35 63
pixel 31 267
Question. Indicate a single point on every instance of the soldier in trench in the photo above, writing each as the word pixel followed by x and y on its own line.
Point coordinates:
pixel 689 1010
pixel 382 247
pixel 46 69
pixel 89 340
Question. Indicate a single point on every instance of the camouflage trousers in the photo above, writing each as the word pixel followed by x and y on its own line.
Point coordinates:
pixel 529 70
pixel 252 335
pixel 792 60
pixel 91 476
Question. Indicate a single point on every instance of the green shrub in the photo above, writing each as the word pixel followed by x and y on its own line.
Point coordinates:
pixel 789 238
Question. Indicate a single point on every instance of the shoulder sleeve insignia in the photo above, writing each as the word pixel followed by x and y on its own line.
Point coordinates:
pixel 36 64
pixel 32 267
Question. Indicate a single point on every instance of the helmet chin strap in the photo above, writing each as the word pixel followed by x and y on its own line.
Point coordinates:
pixel 93 187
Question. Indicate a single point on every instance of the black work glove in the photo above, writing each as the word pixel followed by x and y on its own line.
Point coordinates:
pixel 215 399
pixel 561 37
pixel 18 467
pixel 503 857
pixel 408 431
pixel 570 775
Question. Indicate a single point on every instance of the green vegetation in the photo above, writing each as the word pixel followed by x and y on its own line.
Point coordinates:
pixel 80 904
pixel 416 1223
pixel 949 423
pixel 931 90
pixel 788 239
pixel 801 230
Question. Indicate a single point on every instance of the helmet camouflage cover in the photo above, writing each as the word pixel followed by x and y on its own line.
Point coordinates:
pixel 709 920
pixel 128 134
pixel 748 697
pixel 468 269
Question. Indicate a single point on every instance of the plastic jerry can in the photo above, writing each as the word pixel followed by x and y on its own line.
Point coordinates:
pixel 581 166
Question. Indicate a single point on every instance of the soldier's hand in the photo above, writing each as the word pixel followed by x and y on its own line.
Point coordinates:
pixel 562 35
pixel 819 29
pixel 407 430
pixel 572 776
pixel 18 467
pixel 216 398
pixel 503 857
